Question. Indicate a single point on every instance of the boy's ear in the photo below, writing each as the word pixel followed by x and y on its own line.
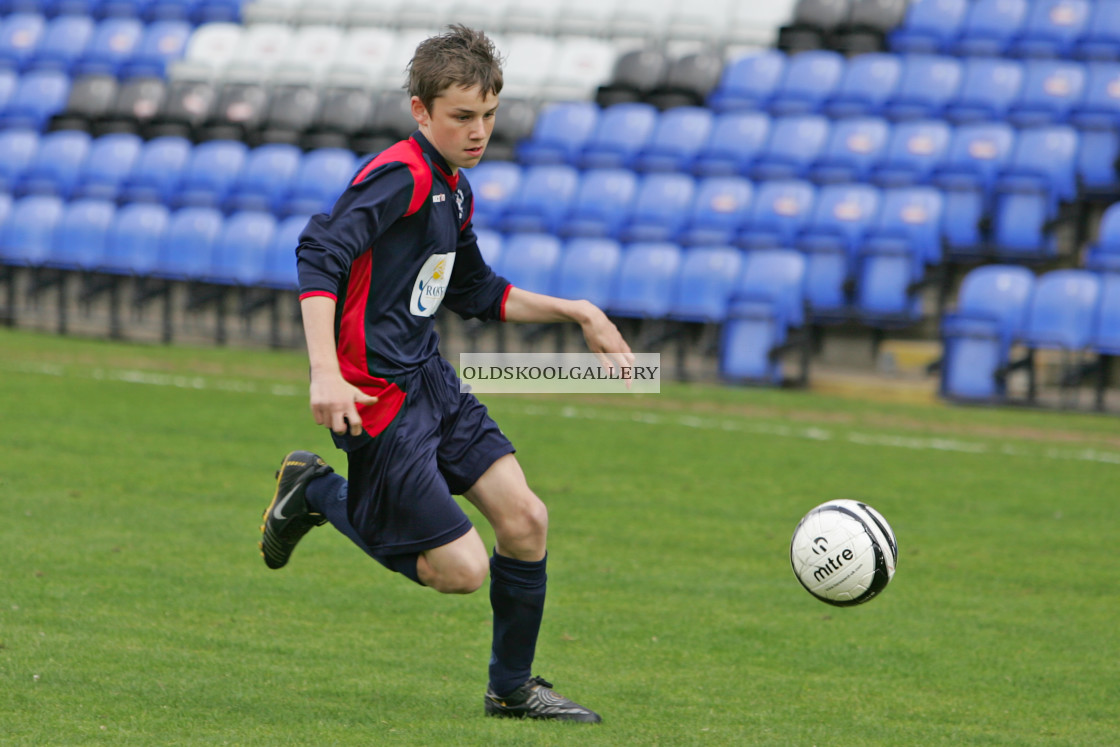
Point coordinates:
pixel 419 111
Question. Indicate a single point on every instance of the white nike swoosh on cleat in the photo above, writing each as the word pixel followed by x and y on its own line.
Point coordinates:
pixel 278 510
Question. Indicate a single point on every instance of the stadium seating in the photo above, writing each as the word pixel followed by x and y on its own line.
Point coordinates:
pixel 529 261
pixel 1101 40
pixel 559 133
pixel 322 176
pixel 707 277
pixel 676 140
pixel 26 236
pixel 869 80
pixel 990 26
pixel 930 26
pixel 81 236
pixel 1105 340
pixel 107 165
pixel 736 140
pixel 279 269
pixel 766 304
pixel 1061 317
pixel 988 88
pixel 1051 28
pixel 778 213
pixel 808 81
pixel 494 184
pixel 187 247
pixel 748 82
pixel 543 200
pixel 241 249
pixel 134 239
pixel 854 148
pixel 794 145
pixel 660 208
pixel 977 336
pixel 264 179
pixel 1104 253
pixel 927 84
pixel 842 215
pixel 56 165
pixel 587 269
pixel 647 274
pixel 718 210
pixel 601 203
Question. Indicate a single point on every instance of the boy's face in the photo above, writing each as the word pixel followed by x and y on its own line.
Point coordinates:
pixel 458 125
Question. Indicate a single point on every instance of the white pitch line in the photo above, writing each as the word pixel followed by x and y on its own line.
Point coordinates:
pixel 809 433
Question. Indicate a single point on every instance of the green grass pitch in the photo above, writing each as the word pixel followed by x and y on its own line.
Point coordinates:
pixel 135 610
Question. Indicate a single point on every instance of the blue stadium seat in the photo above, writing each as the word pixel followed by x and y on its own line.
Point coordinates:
pixel 265 178
pixel 795 143
pixel 57 164
pixel 989 87
pixel 930 26
pixel 976 156
pixel 114 42
pixel 1052 27
pixel 644 284
pixel 1101 40
pixel 809 80
pixel 109 9
pixel 915 150
pixel 766 305
pixel 1019 228
pixel 157 11
pixel 543 200
pixel 157 171
pixel 26 236
pixel 1104 253
pixel 779 211
pixel 241 249
pixel 64 40
pixel 735 142
pixel 601 203
pixel 490 245
pixel 210 174
pixel 1062 310
pixel 748 82
pixel 977 336
pixel 678 137
pixel 1097 118
pixel 39 95
pixel 909 219
pixel 279 269
pixel 81 237
pixel 990 26
pixel 587 270
pixel 719 209
pixel 660 208
pixel 18 147
pixel 841 216
pixel 927 85
pixel 869 81
pixel 707 277
pixel 135 238
pixel 1051 88
pixel 1043 161
pixel 163 42
pixel 854 147
pixel 323 175
pixel 108 164
pixel 559 133
pixel 188 243
pixel 20 34
pixel 217 11
pixel 620 133
pixel 1099 108
pixel 9 79
pixel 529 261
pixel 1106 329
pixel 494 184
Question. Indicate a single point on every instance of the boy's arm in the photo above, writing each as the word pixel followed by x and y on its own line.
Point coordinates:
pixel 603 338
pixel 333 399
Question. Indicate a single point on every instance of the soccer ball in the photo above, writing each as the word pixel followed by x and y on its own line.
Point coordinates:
pixel 843 552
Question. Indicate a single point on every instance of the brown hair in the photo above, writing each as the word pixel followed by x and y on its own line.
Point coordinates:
pixel 460 57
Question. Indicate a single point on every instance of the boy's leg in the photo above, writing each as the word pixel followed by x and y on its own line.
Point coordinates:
pixel 518 581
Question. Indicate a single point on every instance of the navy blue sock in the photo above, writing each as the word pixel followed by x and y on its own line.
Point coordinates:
pixel 517 589
pixel 327 495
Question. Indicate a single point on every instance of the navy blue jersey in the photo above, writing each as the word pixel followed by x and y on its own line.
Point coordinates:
pixel 396 245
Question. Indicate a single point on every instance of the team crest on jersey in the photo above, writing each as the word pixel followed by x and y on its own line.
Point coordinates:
pixel 459 203
pixel 431 283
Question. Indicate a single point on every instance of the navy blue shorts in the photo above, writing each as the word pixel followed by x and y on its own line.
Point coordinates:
pixel 402 480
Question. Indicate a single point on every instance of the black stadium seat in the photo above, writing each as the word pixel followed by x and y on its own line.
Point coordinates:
pixel 240 109
pixel 688 81
pixel 291 111
pixel 187 107
pixel 138 101
pixel 813 24
pixel 343 112
pixel 636 73
pixel 90 98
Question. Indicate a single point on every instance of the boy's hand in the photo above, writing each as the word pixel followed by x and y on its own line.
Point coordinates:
pixel 334 403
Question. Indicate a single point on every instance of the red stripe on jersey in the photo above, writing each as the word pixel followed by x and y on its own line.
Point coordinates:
pixel 407 152
pixel 352 358
pixel 505 295
pixel 324 294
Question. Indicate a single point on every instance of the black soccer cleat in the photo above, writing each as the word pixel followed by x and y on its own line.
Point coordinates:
pixel 288 518
pixel 537 699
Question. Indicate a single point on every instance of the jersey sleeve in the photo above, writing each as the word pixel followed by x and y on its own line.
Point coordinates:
pixel 475 290
pixel 379 195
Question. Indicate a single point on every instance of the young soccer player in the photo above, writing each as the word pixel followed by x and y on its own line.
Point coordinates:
pixel 397 245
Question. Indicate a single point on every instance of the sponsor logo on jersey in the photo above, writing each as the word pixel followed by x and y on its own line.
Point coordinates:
pixel 439 198
pixel 431 283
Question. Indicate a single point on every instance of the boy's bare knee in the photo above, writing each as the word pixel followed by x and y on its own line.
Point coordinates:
pixel 465 578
